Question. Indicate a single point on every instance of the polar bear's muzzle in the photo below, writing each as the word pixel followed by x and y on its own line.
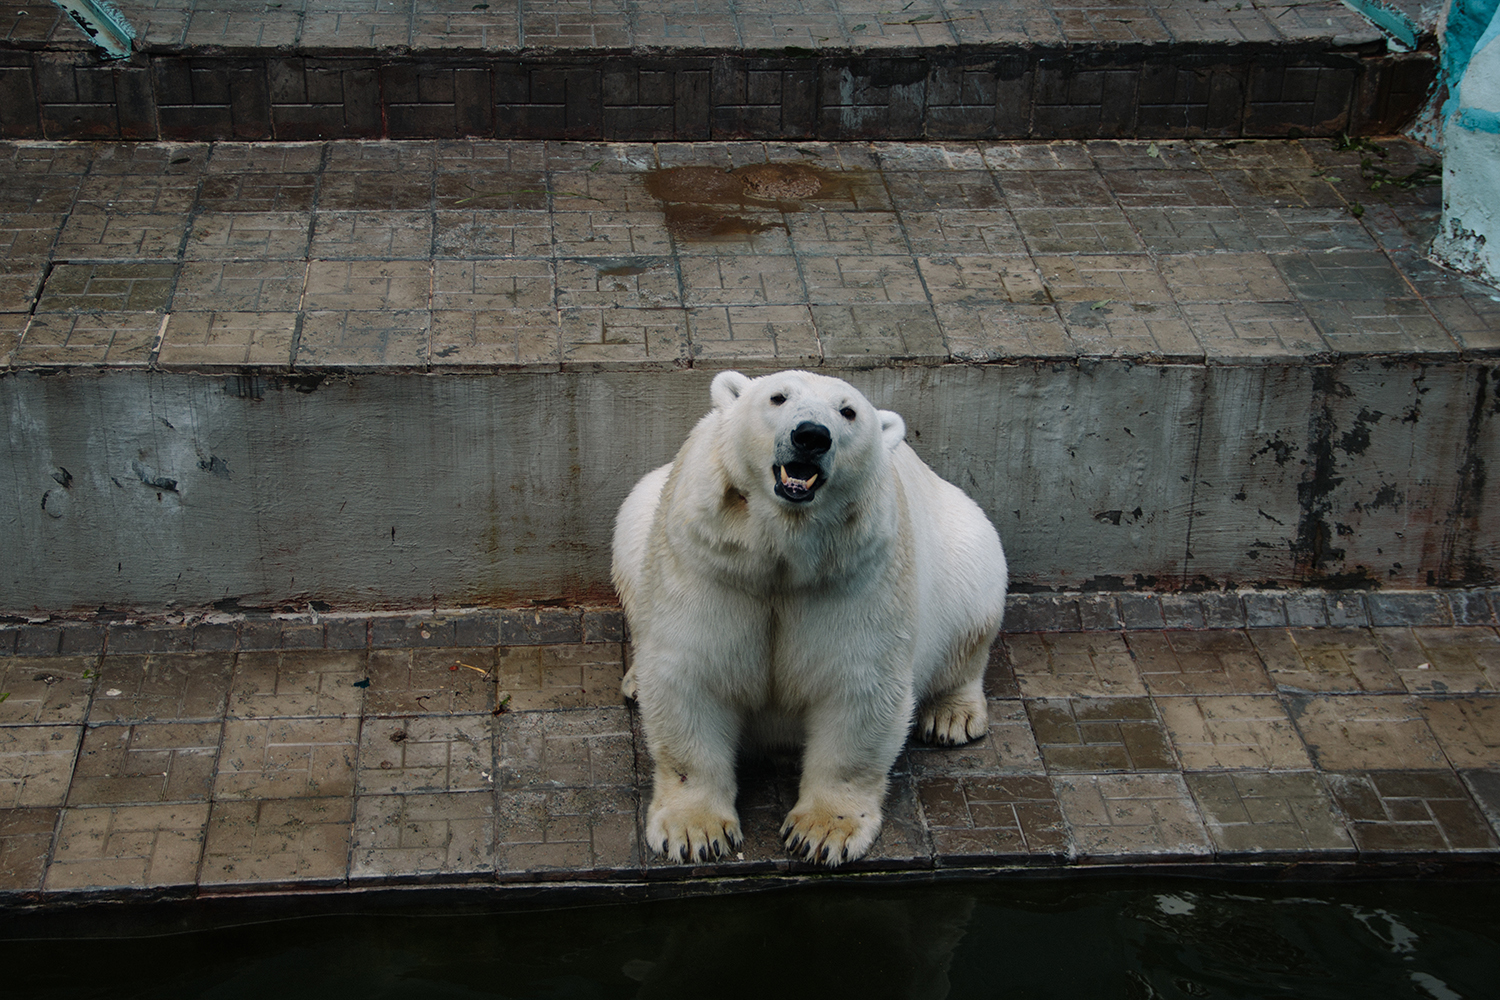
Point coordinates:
pixel 799 478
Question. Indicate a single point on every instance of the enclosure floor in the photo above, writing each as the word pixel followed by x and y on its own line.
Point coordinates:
pixel 259 754
pixel 466 255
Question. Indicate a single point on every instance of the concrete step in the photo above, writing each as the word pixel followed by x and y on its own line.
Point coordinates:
pixel 614 70
pixel 375 374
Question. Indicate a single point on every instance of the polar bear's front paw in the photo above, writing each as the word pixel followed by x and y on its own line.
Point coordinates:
pixel 952 720
pixel 692 831
pixel 829 835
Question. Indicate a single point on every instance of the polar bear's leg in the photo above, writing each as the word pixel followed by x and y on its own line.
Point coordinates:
pixel 839 804
pixel 692 813
pixel 954 712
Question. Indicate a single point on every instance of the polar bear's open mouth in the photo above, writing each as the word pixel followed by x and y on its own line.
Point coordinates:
pixel 797 481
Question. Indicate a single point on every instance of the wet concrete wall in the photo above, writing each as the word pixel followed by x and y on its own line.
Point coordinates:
pixel 150 490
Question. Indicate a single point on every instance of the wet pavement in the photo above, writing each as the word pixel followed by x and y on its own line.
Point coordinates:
pixel 244 754
pixel 469 255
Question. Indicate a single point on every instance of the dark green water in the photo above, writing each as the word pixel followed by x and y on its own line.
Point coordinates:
pixel 1082 939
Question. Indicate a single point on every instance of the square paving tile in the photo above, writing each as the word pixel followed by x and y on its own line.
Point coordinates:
pixel 1100 734
pixel 977 819
pixel 1122 817
pixel 137 846
pixel 36 763
pixel 90 338
pixel 1468 729
pixel 364 338
pixel 1400 812
pixel 443 681
pixel 278 841
pixel 1073 664
pixel 855 334
pixel 524 339
pixel 287 758
pixel 228 339
pixel 426 754
pixel 567 832
pixel 585 675
pixel 575 749
pixel 1173 663
pixel 53 689
pixel 135 286
pixel 1484 785
pixel 1326 659
pixel 1265 815
pixel 993 331
pixel 117 236
pixel 151 762
pixel 1008 748
pixel 1444 660
pixel 162 687
pixel 1232 732
pixel 403 837
pixel 294 683
pixel 232 235
pixel 383 235
pixel 25 842
pixel 755 336
pixel 1365 732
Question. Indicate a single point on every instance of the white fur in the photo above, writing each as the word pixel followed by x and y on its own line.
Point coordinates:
pixel 832 622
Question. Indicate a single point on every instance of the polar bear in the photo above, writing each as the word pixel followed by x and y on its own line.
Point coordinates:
pixel 798 575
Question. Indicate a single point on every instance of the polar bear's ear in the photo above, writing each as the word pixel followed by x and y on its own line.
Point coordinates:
pixel 892 428
pixel 727 388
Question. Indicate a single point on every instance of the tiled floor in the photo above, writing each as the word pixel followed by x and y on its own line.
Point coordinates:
pixel 483 256
pixel 258 753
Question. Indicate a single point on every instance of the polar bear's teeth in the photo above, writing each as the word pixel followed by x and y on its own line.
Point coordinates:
pixel 812 479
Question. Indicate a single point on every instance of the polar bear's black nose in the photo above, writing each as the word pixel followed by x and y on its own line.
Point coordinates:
pixel 811 438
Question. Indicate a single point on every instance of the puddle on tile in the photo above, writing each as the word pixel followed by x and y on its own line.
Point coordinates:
pixel 710 204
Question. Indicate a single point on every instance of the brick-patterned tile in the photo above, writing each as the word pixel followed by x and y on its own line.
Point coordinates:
pixel 115 236
pixel 1173 663
pixel 240 286
pixel 147 763
pixel 132 846
pixel 566 832
pixel 607 232
pixel 1256 814
pixel 162 687
pixel 604 283
pixel 131 286
pixel 574 749
pixel 1250 331
pixel 1003 331
pixel 365 339
pixel 979 819
pixel 1444 660
pixel 856 334
pixel 228 339
pixel 367 285
pixel 1007 748
pixel 982 279
pixel 35 764
pixel 297 683
pixel 571 676
pixel 1233 731
pixel 423 836
pixel 1400 812
pixel 1468 729
pixel 1330 660
pixel 278 841
pixel 25 842
pixel 474 233
pixel 1100 734
pixel 427 754
pixel 1120 817
pixel 248 236
pixel 741 281
pixel 287 758
pixel 600 339
pixel 1366 732
pixel 385 235
pixel 962 232
pixel 776 336
pixel 48 690
pixel 431 681
pixel 520 339
pixel 1076 664
pixel 492 284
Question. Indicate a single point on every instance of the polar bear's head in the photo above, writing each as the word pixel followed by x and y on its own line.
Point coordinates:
pixel 795 434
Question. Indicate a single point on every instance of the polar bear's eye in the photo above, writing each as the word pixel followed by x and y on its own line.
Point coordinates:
pixel 847 413
pixel 778 399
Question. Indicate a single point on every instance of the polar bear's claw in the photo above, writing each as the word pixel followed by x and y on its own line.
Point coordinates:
pixel 686 834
